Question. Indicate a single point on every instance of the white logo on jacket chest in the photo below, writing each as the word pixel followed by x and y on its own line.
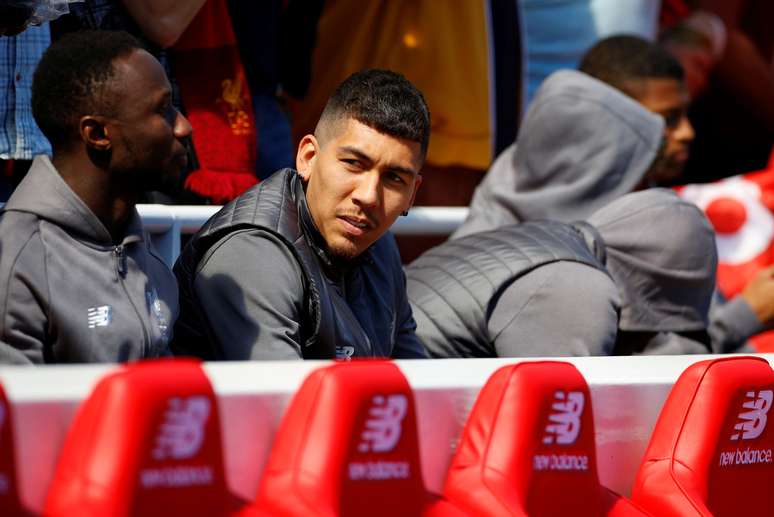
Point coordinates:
pixel 99 316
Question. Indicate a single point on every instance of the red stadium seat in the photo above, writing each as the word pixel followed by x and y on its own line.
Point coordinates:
pixel 347 445
pixel 711 451
pixel 9 496
pixel 528 448
pixel 145 443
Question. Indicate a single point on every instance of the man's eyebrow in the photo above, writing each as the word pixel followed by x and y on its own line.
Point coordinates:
pixel 364 157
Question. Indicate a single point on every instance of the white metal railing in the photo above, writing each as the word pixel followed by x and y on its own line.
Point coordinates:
pixel 166 223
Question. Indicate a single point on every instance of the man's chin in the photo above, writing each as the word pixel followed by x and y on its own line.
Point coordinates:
pixel 344 251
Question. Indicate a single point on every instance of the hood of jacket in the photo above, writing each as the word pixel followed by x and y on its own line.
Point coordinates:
pixel 45 194
pixel 582 144
pixel 661 254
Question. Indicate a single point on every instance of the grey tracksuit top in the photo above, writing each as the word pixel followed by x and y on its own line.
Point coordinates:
pixel 67 293
pixel 257 282
pixel 546 288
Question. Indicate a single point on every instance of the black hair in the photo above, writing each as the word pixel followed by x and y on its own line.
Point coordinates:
pixel 619 60
pixel 70 79
pixel 383 100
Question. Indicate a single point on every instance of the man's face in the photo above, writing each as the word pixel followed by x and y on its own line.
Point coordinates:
pixel 147 131
pixel 357 183
pixel 668 98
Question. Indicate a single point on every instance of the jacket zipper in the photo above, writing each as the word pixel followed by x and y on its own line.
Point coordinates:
pixel 121 268
pixel 351 316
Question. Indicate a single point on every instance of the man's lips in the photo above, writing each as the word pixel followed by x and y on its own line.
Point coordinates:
pixel 356 225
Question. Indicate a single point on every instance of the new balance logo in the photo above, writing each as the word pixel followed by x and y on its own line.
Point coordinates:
pixel 181 434
pixel 753 421
pixel 99 316
pixel 564 423
pixel 384 425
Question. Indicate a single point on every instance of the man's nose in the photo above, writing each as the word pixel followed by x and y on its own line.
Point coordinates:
pixel 182 127
pixel 684 131
pixel 366 191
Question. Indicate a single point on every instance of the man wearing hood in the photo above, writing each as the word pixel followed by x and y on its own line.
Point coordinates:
pixel 582 144
pixel 78 279
pixel 546 288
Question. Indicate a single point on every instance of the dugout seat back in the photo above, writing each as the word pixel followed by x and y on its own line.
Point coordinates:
pixel 9 495
pixel 347 445
pixel 528 448
pixel 711 449
pixel 146 442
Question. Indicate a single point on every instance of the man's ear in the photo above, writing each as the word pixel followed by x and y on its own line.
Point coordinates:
pixel 417 183
pixel 94 133
pixel 308 150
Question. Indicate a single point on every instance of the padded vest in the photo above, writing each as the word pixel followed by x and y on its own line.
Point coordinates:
pixel 454 287
pixel 329 327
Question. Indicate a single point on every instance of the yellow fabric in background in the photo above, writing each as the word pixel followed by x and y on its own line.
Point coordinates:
pixel 439 45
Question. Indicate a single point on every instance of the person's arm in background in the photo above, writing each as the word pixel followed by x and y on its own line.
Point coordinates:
pixel 732 323
pixel 741 68
pixel 163 21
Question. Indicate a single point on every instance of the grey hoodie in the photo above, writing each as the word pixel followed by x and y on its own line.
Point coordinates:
pixel 581 145
pixel 661 254
pixel 67 293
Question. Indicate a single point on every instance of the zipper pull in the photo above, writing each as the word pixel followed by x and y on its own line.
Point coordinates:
pixel 120 259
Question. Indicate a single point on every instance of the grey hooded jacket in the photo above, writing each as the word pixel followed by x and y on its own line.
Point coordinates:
pixel 581 145
pixel 67 293
pixel 257 282
pixel 531 289
pixel 544 288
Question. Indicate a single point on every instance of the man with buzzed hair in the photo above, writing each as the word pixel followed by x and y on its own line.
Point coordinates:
pixel 79 281
pixel 302 265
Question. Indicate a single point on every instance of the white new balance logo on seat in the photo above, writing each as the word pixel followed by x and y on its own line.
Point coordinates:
pixel 383 428
pixel 753 422
pixel 181 434
pixel 564 423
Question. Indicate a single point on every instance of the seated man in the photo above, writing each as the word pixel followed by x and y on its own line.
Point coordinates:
pixel 78 279
pixel 546 288
pixel 301 265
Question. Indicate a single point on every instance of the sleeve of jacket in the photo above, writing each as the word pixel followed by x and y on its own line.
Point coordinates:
pixel 407 343
pixel 731 324
pixel 24 296
pixel 251 292
pixel 559 309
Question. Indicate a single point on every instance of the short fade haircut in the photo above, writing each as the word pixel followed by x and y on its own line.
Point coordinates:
pixel 383 100
pixel 70 80
pixel 619 60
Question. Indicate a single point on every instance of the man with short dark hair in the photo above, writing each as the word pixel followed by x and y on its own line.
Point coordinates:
pixel 302 265
pixel 79 281
pixel 650 75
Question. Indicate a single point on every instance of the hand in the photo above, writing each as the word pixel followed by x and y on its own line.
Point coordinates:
pixel 759 295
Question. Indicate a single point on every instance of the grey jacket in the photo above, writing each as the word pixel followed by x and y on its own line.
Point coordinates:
pixel 510 292
pixel 581 145
pixel 67 293
pixel 495 294
pixel 257 282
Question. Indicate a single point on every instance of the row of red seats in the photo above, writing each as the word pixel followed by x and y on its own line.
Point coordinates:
pixel 147 443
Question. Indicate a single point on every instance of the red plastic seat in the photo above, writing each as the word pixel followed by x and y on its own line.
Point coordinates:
pixel 711 449
pixel 347 445
pixel 145 443
pixel 528 448
pixel 9 495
